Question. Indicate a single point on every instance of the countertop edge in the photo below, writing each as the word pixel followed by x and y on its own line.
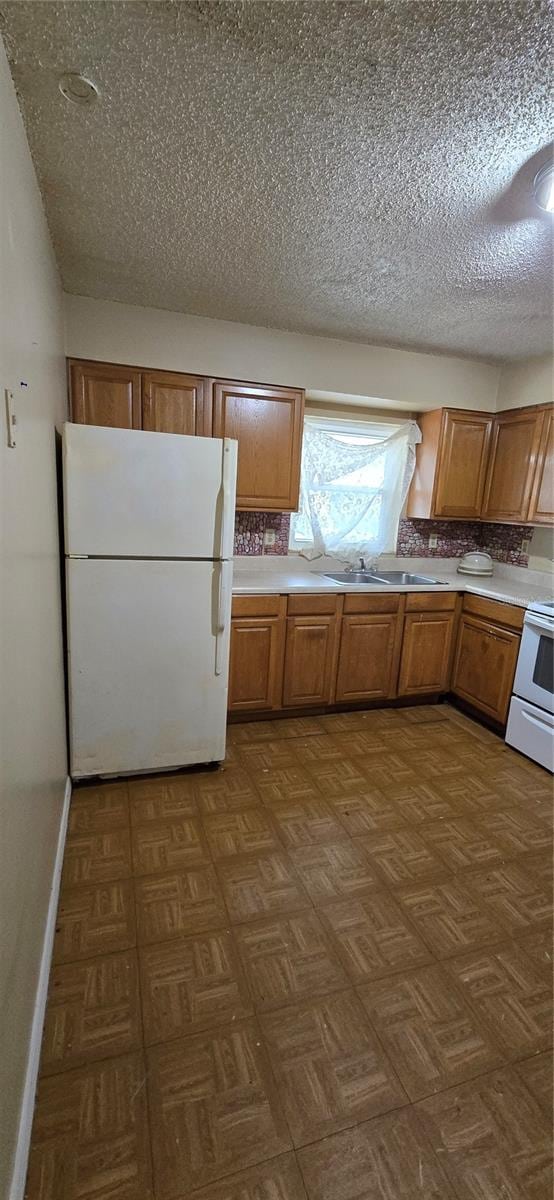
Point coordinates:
pixel 492 592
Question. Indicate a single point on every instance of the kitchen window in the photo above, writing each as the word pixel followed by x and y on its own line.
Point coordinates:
pixel 354 481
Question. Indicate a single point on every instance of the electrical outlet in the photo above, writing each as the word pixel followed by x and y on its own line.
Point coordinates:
pixel 433 541
pixel 269 537
pixel 525 544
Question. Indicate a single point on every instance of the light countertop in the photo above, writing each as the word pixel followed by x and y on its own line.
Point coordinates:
pixel 285 578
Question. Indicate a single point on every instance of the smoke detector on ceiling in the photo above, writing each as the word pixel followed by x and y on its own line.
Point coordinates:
pixel 543 188
pixel 78 88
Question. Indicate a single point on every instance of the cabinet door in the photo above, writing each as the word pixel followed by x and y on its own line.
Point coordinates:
pixel 541 509
pixel 176 403
pixel 104 394
pixel 368 657
pixel 426 646
pixel 462 465
pixel 484 666
pixel 310 660
pixel 267 423
pixel 514 450
pixel 256 663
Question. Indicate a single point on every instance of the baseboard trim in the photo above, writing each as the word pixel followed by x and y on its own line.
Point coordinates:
pixel 17 1186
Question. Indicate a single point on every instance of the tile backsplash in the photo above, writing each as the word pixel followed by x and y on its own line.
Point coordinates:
pixel 250 530
pixel 454 538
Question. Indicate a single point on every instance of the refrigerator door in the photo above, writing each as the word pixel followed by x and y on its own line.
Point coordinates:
pixel 128 493
pixel 146 643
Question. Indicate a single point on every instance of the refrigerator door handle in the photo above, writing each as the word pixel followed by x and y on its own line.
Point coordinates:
pixel 228 479
pixel 223 611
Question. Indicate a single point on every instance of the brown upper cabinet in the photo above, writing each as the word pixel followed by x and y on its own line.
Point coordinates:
pixel 475 466
pixel 132 398
pixel 541 508
pixel 176 403
pixel 267 423
pixel 516 441
pixel 104 394
pixel 451 464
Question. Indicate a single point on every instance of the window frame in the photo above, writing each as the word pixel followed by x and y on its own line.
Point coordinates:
pixel 383 427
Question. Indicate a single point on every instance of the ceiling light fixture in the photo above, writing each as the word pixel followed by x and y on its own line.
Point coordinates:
pixel 543 188
pixel 77 88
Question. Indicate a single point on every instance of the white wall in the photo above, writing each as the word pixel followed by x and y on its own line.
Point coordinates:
pixel 525 383
pixel 153 337
pixel 541 550
pixel 32 727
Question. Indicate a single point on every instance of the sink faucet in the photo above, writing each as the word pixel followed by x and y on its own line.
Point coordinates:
pixel 363 566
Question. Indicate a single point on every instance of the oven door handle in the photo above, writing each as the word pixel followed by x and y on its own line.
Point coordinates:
pixel 541 623
pixel 536 718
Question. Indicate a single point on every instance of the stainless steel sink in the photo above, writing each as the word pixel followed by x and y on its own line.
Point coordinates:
pixel 353 577
pixel 403 577
pixel 400 578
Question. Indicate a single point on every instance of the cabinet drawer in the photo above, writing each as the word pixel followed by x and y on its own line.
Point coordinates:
pixel 256 606
pixel 308 606
pixel 494 610
pixel 431 601
pixel 361 603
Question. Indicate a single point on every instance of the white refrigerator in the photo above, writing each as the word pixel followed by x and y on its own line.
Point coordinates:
pixel 149 521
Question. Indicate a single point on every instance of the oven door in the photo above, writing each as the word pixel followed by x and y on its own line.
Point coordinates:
pixel 534 680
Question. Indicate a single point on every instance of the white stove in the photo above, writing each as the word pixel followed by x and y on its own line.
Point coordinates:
pixel 542 606
pixel 531 718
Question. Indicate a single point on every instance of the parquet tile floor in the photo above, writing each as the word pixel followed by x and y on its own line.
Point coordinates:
pixel 322 972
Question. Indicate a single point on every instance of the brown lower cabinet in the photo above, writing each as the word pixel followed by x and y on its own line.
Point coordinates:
pixel 370 644
pixel 314 650
pixel 257 653
pixel 306 651
pixel 426 652
pixel 311 650
pixel 484 666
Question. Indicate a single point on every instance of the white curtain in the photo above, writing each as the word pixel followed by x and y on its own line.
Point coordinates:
pixel 352 490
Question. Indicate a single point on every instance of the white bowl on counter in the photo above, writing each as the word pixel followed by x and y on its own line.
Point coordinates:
pixel 477 562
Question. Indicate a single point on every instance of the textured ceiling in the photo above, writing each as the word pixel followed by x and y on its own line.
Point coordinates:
pixel 357 170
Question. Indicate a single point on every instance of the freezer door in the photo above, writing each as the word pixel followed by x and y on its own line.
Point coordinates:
pixel 128 493
pixel 148 664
